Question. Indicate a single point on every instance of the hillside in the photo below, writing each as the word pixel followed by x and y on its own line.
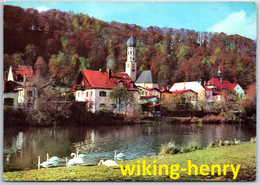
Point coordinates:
pixel 69 42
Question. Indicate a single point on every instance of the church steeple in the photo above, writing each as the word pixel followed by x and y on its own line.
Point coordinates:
pixel 219 75
pixel 130 67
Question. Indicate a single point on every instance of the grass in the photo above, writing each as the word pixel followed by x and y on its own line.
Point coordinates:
pixel 244 154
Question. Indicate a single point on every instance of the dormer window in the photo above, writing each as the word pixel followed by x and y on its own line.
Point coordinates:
pixel 131 84
pixel 121 82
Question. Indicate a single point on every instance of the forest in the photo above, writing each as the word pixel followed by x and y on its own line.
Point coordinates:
pixel 69 42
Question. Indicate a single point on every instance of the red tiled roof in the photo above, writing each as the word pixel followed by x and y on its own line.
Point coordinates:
pixel 225 85
pixel 147 97
pixel 181 91
pixel 154 105
pixel 23 70
pixel 154 88
pixel 101 80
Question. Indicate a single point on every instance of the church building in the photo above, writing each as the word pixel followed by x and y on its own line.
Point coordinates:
pixel 143 79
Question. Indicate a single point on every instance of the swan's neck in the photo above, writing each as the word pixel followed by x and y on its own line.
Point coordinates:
pixel 47 157
pixel 100 162
pixel 73 154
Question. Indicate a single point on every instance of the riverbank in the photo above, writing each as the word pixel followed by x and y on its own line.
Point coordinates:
pixel 243 154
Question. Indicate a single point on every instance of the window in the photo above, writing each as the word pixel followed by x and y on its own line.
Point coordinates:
pixel 102 105
pixel 87 94
pixel 9 101
pixel 78 94
pixel 122 106
pixel 82 93
pixel 102 94
pixel 91 94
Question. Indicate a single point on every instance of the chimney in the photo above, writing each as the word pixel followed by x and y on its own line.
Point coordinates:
pixel 109 73
pixel 24 79
pixel 220 79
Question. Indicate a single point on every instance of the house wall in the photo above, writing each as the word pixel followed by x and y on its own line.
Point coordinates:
pixel 240 91
pixel 147 85
pixel 95 100
pixel 146 92
pixel 12 95
pixel 27 95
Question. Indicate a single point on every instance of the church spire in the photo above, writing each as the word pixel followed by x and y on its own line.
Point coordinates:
pixel 130 67
pixel 10 74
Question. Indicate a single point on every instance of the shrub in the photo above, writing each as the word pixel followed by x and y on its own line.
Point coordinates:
pixel 170 148
pixel 194 146
pixel 213 119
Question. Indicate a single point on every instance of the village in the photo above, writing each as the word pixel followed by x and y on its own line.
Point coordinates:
pixel 94 90
pixel 94 87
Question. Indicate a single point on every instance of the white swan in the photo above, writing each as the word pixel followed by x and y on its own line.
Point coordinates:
pixel 119 155
pixel 237 142
pixel 53 158
pixel 108 163
pixel 75 160
pixel 47 163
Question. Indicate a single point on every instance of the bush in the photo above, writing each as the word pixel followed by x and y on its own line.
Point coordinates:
pixel 170 148
pixel 213 119
pixel 194 146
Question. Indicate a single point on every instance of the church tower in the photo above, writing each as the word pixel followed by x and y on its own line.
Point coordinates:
pixel 130 67
pixel 219 75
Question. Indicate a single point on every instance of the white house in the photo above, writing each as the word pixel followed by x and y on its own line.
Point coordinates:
pixel 94 87
pixel 18 88
pixel 194 86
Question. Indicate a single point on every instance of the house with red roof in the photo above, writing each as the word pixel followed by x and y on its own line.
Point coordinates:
pixel 94 87
pixel 19 90
pixel 215 86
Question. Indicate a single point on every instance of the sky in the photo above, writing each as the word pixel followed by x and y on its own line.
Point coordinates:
pixel 228 17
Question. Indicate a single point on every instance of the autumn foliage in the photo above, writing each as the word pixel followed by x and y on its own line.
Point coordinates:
pixel 69 42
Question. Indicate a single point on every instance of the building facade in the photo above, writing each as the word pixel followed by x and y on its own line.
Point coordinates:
pixel 93 87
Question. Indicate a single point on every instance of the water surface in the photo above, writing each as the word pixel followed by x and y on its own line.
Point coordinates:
pixel 22 145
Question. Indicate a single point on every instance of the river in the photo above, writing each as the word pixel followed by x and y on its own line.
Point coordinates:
pixel 22 145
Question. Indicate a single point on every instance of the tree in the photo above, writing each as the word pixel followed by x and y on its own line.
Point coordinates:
pixel 121 96
pixel 249 103
pixel 176 102
pixel 64 66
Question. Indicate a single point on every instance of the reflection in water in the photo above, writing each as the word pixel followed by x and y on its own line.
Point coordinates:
pixel 22 145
